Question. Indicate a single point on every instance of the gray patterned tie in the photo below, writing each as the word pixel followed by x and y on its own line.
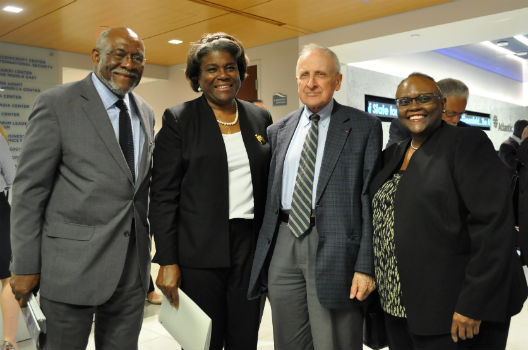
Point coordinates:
pixel 301 207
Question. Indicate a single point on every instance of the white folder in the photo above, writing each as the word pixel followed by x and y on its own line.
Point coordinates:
pixel 188 324
pixel 35 319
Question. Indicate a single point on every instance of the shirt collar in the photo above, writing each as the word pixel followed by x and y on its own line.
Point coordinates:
pixel 324 113
pixel 107 97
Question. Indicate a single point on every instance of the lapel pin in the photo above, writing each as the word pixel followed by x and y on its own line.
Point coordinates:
pixel 260 139
pixel 347 131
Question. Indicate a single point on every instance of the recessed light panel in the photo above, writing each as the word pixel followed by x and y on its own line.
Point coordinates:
pixel 175 41
pixel 12 9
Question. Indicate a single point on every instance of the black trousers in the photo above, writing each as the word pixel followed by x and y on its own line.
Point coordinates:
pixel 5 240
pixel 222 292
pixel 492 336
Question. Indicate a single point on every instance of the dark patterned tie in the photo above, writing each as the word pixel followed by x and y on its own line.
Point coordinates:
pixel 126 140
pixel 301 207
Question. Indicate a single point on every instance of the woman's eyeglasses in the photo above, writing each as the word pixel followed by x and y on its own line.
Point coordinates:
pixel 420 99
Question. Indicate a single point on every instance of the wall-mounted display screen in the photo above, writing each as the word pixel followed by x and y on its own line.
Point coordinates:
pixel 382 107
pixel 480 120
pixel 385 109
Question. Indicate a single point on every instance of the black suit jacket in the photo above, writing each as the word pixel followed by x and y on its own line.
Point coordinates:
pixel 523 199
pixel 189 207
pixel 453 231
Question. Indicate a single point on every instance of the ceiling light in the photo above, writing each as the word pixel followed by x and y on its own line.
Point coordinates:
pixel 12 9
pixel 175 41
pixel 522 53
pixel 502 43
pixel 522 39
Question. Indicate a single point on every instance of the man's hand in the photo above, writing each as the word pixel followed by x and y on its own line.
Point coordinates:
pixel 22 286
pixel 362 286
pixel 168 281
pixel 464 327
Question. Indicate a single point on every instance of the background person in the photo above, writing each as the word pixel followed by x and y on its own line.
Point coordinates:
pixel 508 150
pixel 79 218
pixel 446 268
pixel 314 252
pixel 456 94
pixel 259 103
pixel 10 309
pixel 208 190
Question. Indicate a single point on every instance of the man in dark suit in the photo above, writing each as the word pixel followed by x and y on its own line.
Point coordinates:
pixel 314 252
pixel 456 94
pixel 79 217
pixel 509 149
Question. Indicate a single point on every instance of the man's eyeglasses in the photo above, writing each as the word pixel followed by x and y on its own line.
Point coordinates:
pixel 420 99
pixel 452 114
pixel 120 56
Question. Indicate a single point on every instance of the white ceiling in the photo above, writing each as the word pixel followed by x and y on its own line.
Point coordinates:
pixel 462 38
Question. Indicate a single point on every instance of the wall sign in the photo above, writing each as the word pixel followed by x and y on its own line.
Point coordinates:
pixel 280 99
pixel 24 73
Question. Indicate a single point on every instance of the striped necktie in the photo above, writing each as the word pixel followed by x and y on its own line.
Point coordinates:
pixel 301 207
pixel 126 140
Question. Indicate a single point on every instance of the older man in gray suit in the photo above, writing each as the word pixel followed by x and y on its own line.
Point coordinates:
pixel 314 251
pixel 79 217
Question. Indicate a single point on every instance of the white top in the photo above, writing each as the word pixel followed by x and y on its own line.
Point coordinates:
pixel 241 204
pixel 7 166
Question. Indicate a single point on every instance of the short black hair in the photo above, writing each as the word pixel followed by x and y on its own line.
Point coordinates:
pixel 214 42
pixel 519 126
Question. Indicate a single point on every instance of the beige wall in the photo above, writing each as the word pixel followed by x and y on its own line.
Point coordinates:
pixel 276 70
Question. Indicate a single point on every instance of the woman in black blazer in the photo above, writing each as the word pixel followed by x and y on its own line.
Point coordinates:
pixel 445 264
pixel 209 178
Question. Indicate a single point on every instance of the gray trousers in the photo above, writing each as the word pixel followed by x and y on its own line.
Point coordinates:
pixel 299 320
pixel 117 321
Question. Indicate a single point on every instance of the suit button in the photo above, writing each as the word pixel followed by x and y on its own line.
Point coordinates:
pixel 127 234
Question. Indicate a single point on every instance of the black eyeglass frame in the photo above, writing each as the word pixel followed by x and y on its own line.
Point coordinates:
pixel 120 55
pixel 421 99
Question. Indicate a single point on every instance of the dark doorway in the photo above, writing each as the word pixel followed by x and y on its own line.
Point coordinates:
pixel 248 90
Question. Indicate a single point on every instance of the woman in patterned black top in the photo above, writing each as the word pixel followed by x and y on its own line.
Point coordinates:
pixel 445 265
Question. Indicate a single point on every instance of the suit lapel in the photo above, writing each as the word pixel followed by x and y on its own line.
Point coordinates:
pixel 284 136
pixel 338 132
pixel 144 164
pixel 94 110
pixel 247 130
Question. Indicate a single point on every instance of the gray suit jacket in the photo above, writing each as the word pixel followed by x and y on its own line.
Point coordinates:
pixel 342 210
pixel 74 197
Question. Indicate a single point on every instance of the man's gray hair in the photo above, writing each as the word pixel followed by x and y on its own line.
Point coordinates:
pixel 315 47
pixel 102 43
pixel 453 87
